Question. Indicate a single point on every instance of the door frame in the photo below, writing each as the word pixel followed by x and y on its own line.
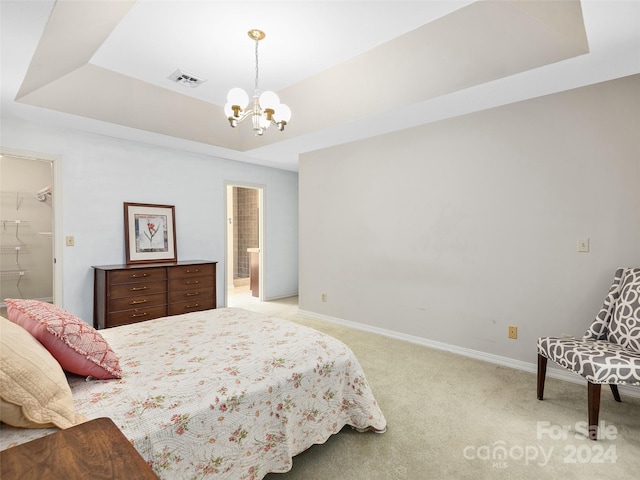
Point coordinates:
pixel 56 202
pixel 228 270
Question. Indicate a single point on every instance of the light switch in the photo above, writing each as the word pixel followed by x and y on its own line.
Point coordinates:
pixel 583 245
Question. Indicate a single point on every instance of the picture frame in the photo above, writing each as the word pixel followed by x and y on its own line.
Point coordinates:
pixel 149 233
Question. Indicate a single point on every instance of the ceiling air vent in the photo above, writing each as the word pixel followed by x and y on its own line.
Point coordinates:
pixel 188 79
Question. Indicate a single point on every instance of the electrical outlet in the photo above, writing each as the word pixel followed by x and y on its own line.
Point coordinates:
pixel 324 297
pixel 513 332
pixel 70 241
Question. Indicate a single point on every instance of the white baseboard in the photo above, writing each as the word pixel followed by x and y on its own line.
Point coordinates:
pixel 280 297
pixel 558 373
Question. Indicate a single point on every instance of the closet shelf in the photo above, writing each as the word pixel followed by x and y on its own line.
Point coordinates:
pixel 13 273
pixel 22 194
pixel 14 248
pixel 13 222
pixel 13 192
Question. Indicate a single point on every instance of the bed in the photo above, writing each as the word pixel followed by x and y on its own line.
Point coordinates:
pixel 224 393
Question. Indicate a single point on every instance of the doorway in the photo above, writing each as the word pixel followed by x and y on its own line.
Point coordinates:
pixel 244 253
pixel 27 240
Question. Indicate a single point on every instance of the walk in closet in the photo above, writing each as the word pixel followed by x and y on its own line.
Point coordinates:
pixel 26 228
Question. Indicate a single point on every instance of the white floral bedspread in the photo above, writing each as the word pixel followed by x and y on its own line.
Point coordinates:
pixel 225 393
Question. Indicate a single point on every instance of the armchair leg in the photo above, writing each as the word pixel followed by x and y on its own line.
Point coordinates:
pixel 616 394
pixel 542 373
pixel 593 405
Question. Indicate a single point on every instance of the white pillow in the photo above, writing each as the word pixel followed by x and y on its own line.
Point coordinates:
pixel 32 379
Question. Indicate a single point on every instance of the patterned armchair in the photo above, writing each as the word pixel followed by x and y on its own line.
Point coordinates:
pixel 609 353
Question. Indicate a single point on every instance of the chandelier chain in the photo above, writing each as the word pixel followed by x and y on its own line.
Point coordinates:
pixel 256 86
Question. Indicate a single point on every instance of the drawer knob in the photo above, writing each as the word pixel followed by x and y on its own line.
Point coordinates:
pixel 138 315
pixel 135 275
pixel 192 306
pixel 195 282
pixel 191 294
pixel 135 289
pixel 136 302
pixel 193 271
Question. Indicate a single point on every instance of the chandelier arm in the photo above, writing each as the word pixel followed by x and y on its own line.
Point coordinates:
pixel 279 125
pixel 244 115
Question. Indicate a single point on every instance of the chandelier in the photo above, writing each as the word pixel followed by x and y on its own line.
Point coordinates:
pixel 265 109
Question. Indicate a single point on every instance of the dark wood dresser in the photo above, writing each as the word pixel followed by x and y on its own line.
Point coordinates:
pixel 124 294
pixel 96 449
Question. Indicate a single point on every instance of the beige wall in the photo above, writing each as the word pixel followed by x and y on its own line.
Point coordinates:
pixel 454 230
pixel 20 179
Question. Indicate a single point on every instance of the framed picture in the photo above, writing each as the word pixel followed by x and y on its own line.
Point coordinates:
pixel 149 233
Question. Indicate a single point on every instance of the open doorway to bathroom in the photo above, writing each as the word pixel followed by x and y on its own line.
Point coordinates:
pixel 26 228
pixel 244 273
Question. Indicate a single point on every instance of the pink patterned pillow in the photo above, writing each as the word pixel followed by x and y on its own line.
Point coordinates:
pixel 77 346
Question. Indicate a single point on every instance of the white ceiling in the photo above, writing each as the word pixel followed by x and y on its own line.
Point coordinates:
pixel 348 70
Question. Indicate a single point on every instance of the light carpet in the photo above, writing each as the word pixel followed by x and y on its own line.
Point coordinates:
pixel 452 417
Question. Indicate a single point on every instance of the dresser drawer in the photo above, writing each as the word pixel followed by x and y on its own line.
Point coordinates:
pixel 138 301
pixel 192 306
pixel 142 288
pixel 191 283
pixel 195 294
pixel 197 270
pixel 138 275
pixel 137 315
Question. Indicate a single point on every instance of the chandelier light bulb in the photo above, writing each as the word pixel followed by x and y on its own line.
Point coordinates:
pixel 269 99
pixel 282 114
pixel 238 96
